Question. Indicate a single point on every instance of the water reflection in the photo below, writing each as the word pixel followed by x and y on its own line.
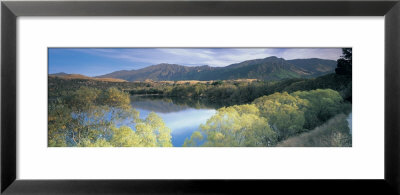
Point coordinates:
pixel 182 117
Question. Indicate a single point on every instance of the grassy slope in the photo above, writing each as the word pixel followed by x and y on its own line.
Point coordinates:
pixel 333 133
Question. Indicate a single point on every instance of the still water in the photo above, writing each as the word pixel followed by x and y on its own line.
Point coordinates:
pixel 181 116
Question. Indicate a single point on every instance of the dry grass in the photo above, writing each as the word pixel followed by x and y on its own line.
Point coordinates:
pixel 192 82
pixel 79 76
pixel 334 133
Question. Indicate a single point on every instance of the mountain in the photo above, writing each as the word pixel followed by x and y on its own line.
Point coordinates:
pixel 160 72
pixel 270 68
pixel 79 76
pixel 59 74
pixel 315 66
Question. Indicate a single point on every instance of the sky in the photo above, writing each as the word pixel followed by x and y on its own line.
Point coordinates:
pixel 99 61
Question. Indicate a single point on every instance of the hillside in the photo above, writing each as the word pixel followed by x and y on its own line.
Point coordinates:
pixel 315 66
pixel 79 76
pixel 270 68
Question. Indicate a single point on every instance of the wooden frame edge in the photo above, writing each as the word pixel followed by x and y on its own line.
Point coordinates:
pixel 10 10
pixel 8 102
pixel 392 96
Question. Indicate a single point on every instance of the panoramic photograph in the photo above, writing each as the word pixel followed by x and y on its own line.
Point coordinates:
pixel 199 97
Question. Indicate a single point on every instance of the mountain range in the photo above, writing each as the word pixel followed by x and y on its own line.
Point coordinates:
pixel 64 75
pixel 270 68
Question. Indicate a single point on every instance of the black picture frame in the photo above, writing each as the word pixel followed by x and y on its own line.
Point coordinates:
pixel 11 10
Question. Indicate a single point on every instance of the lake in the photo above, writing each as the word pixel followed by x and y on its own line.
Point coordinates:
pixel 183 117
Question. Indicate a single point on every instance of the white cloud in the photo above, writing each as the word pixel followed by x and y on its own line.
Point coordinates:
pixel 209 56
pixel 301 53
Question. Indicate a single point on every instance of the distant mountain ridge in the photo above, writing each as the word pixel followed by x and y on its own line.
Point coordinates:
pixel 64 75
pixel 270 68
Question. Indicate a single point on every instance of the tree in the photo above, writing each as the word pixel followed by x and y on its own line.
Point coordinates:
pixel 59 118
pixel 195 139
pixel 344 63
pixel 323 104
pixel 284 112
pixel 159 129
pixel 234 126
pixel 89 117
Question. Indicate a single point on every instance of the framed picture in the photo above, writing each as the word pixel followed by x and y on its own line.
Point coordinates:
pixel 199 97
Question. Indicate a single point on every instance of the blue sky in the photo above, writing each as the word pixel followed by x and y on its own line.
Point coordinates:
pixel 99 61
